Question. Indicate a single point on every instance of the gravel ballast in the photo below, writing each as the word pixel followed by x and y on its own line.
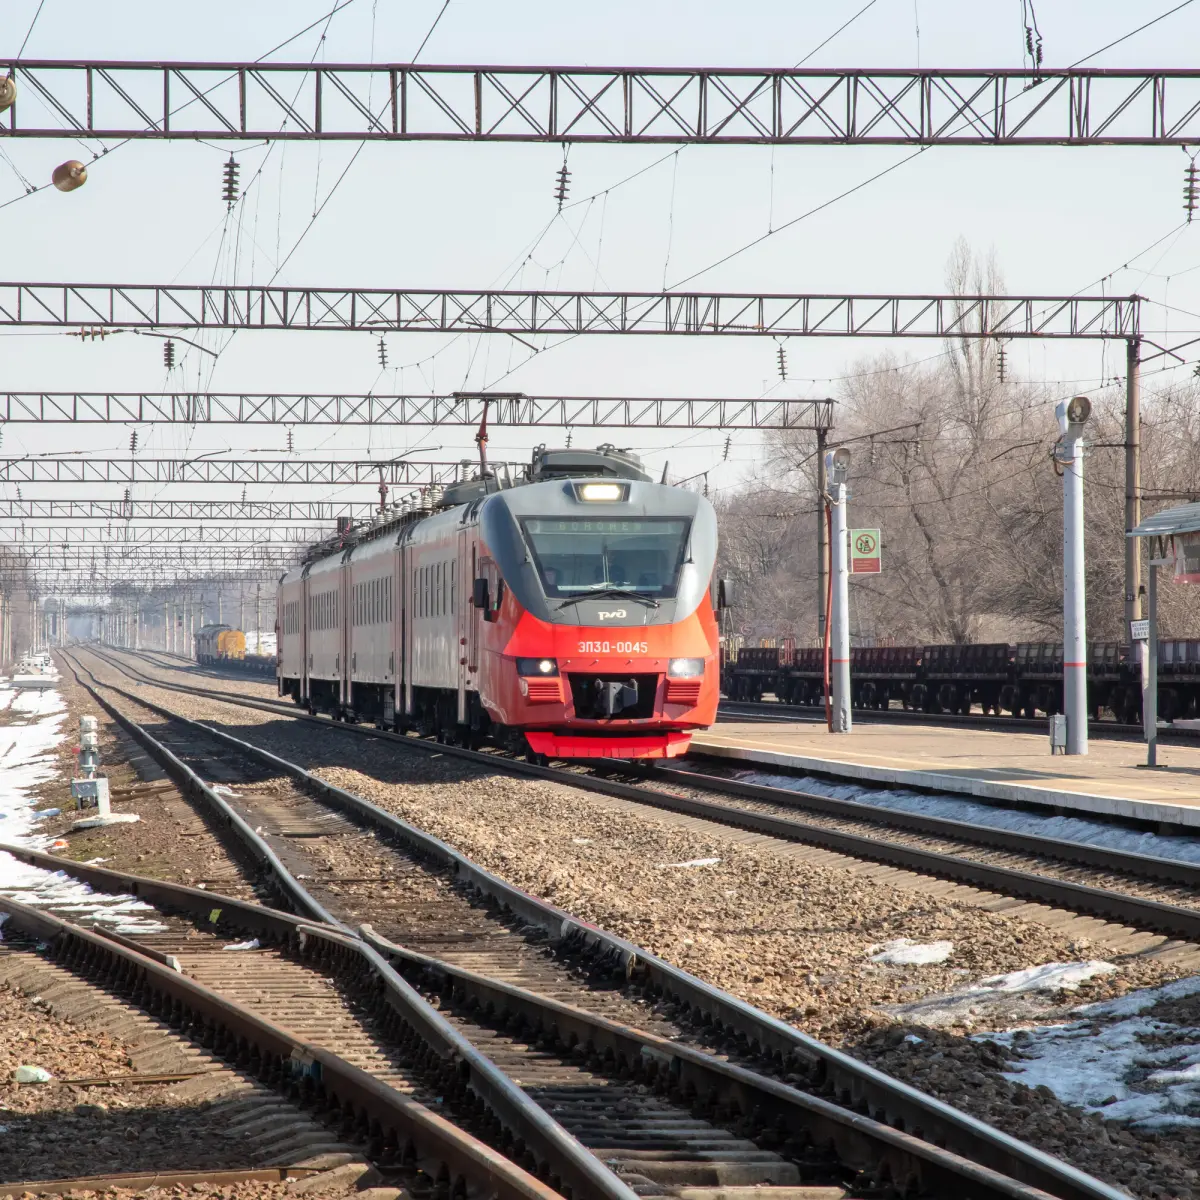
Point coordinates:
pixel 794 937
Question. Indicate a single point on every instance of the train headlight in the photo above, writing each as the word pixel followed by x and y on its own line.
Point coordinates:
pixel 601 492
pixel 685 668
pixel 540 667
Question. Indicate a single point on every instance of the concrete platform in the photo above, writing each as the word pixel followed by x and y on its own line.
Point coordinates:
pixel 993 765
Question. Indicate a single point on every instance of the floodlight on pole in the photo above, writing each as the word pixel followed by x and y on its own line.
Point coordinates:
pixel 1068 454
pixel 837 466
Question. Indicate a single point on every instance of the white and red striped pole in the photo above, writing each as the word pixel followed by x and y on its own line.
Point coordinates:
pixel 1072 416
pixel 837 466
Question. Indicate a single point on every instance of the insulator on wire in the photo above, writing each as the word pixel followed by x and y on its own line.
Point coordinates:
pixel 728 447
pixel 568 439
pixel 291 441
pixel 229 182
pixel 382 353
pixel 1191 190
pixel 781 355
pixel 1002 362
pixel 563 186
pixel 133 441
pixel 169 354
pixel 69 175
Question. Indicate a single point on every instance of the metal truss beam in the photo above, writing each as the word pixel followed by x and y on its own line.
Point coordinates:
pixel 275 472
pixel 712 105
pixel 75 583
pixel 241 511
pixel 54 537
pixel 149 306
pixel 114 556
pixel 508 409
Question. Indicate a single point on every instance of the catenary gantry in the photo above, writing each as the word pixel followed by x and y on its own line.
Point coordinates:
pixel 240 472
pixel 235 511
pixel 381 310
pixel 571 104
pixel 513 409
pixel 43 538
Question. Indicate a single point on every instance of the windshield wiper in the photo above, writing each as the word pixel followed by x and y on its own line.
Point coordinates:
pixel 622 593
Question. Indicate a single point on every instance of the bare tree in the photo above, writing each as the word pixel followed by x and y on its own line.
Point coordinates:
pixel 954 466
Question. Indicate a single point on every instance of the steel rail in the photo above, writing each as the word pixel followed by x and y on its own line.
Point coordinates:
pixel 554 1148
pixel 1176 920
pixel 367 1108
pixel 1124 862
pixel 773 713
pixel 874 1150
pixel 854 1084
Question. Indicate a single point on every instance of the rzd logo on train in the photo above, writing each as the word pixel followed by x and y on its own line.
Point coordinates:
pixel 608 616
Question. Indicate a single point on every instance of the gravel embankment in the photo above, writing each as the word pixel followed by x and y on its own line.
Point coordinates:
pixel 170 841
pixel 793 937
pixel 62 1129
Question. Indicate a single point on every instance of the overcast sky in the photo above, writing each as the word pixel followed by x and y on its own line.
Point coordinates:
pixel 445 215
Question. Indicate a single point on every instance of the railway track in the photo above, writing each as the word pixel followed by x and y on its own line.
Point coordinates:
pixel 410 1140
pixel 1137 891
pixel 773 712
pixel 836 1090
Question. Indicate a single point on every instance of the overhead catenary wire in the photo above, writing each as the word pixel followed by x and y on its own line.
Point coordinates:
pixel 29 31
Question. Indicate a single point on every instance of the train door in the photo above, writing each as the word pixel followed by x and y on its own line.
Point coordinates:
pixel 463 624
pixel 472 615
pixel 395 703
pixel 408 595
pixel 343 659
pixel 305 622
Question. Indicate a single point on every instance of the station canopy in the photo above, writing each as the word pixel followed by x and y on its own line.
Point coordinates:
pixel 1177 532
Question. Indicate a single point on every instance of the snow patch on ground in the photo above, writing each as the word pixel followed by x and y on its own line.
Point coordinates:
pixel 904 952
pixel 26 761
pixel 1017 992
pixel 38 704
pixel 1061 828
pixel 1118 1060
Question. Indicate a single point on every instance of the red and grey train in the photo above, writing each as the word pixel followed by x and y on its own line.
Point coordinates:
pixel 569 615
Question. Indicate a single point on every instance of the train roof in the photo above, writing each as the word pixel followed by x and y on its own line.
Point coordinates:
pixel 544 485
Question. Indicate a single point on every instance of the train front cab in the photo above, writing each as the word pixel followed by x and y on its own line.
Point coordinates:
pixel 594 631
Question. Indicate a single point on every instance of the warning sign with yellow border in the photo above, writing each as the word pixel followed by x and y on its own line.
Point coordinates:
pixel 864 552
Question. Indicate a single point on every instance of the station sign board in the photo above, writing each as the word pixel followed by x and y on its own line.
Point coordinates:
pixel 864 552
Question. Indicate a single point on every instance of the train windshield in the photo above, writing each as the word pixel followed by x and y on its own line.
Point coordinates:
pixel 577 555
